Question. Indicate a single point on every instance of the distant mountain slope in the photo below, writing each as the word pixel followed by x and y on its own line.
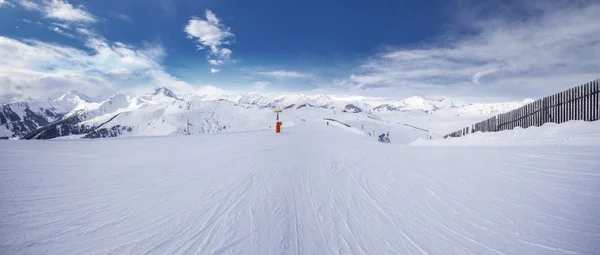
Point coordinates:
pixel 162 112
pixel 20 118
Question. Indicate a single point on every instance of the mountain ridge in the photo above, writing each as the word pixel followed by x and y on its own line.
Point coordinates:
pixel 158 107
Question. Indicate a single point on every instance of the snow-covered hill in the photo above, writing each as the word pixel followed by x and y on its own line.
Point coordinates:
pixel 312 189
pixel 162 112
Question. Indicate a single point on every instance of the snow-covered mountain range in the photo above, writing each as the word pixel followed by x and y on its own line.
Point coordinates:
pixel 162 112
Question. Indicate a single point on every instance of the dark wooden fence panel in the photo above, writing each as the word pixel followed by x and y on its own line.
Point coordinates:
pixel 578 103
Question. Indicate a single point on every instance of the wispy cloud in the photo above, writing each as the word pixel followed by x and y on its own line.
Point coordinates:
pixel 32 22
pixel 552 48
pixel 214 70
pixel 283 74
pixel 63 18
pixel 62 32
pixel 29 5
pixel 260 84
pixel 210 34
pixel 59 10
pixel 5 3
pixel 122 17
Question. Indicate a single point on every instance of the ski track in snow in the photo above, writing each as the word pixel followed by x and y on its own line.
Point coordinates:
pixel 313 189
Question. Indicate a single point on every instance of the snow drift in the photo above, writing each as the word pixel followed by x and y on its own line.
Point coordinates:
pixel 574 132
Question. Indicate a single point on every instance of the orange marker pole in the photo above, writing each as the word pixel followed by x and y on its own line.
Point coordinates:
pixel 278 123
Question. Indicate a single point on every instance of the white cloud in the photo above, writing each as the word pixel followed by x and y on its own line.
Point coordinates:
pixel 28 5
pixel 211 17
pixel 32 22
pixel 282 74
pixel 69 20
pixel 209 90
pixel 212 35
pixel 215 62
pixel 225 53
pixel 61 10
pixel 60 31
pixel 535 56
pixel 214 70
pixel 260 84
pixel 480 74
pixel 119 72
pixel 85 31
pixel 44 70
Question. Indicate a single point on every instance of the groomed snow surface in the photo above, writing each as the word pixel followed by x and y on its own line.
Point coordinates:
pixel 312 189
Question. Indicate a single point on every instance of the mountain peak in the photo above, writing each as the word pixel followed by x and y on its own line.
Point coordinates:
pixel 74 95
pixel 164 92
pixel 161 94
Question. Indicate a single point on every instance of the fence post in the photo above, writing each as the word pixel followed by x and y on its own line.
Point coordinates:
pixel 581 102
pixel 529 114
pixel 561 113
pixel 586 102
pixel 521 113
pixel 525 111
pixel 538 110
pixel 541 111
pixel 549 109
pixel 571 105
pixel 590 101
pixel 579 99
pixel 566 106
pixel 596 100
pixel 557 108
pixel 576 108
pixel 554 107
pixel 565 111
pixel 536 113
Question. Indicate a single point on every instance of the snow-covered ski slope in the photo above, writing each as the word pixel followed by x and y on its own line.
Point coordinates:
pixel 312 189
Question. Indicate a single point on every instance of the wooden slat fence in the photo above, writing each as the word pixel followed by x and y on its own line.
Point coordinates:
pixel 578 103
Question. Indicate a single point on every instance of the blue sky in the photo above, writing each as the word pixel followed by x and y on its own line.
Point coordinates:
pixel 459 48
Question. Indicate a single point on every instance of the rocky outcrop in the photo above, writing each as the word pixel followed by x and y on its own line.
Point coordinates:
pixel 113 131
pixel 352 108
pixel 20 119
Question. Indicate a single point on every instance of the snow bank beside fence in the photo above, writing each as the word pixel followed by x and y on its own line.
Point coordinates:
pixel 570 133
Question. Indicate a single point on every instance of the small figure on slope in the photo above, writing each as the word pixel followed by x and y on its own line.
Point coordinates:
pixel 383 138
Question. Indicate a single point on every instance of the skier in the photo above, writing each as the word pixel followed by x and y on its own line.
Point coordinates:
pixel 381 137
